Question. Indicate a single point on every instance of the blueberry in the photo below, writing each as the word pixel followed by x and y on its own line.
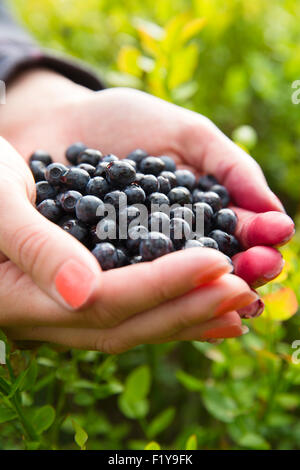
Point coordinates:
pixel 204 217
pixel 192 244
pixel 131 162
pixel 138 177
pixel 152 165
pixel 149 184
pixel 227 243
pixel 129 214
pixel 226 220
pixel 184 213
pixel 120 173
pixel 106 229
pixel 180 195
pixel 135 194
pixel 155 245
pixel 87 167
pixel 110 158
pixel 170 165
pixel 222 192
pixel 50 209
pixel 206 182
pixel 73 152
pixel 171 177
pixel 185 178
pixel 38 170
pixel 86 209
pixel 137 155
pixel 121 258
pixel 135 236
pixel 101 169
pixel 180 231
pixel 136 259
pixel 211 198
pixel 44 190
pixel 54 173
pixel 105 253
pixel 115 198
pixel 159 222
pixel 76 179
pixel 158 199
pixel 90 156
pixel 75 228
pixel 68 200
pixel 41 156
pixel 208 242
pixel 97 186
pixel 164 185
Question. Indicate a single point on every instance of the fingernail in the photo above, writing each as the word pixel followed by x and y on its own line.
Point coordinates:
pixel 236 303
pixel 245 329
pixel 214 271
pixel 253 310
pixel 75 283
pixel 231 331
pixel 269 276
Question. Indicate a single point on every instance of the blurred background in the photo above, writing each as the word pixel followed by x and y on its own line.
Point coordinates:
pixel 235 62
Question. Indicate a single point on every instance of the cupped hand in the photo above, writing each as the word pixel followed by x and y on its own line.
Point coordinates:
pixel 117 121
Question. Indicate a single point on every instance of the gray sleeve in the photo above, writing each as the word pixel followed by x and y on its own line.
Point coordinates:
pixel 18 52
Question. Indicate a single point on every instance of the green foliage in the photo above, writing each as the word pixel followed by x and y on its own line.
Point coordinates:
pixel 235 62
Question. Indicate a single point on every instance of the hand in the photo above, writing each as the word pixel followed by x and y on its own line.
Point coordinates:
pixel 67 113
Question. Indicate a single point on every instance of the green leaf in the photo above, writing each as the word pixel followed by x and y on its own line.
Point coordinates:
pixel 128 61
pixel 161 422
pixel 137 384
pixel 133 409
pixel 189 382
pixel 30 378
pixel 192 28
pixel 191 443
pixel 7 414
pixel 81 435
pixel 219 405
pixel 152 446
pixel 183 66
pixel 43 418
pixel 19 382
pixel 254 442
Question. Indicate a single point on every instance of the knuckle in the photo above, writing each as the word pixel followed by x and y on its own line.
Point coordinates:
pixel 108 344
pixel 156 279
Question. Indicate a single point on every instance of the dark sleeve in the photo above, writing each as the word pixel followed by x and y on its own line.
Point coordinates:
pixel 19 52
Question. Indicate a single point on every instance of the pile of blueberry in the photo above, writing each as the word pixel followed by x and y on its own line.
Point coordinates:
pixel 76 197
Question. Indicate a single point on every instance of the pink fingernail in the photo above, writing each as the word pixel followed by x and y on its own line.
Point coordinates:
pixel 75 283
pixel 231 331
pixel 253 310
pixel 236 303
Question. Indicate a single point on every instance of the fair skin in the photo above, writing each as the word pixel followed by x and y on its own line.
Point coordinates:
pixel 187 295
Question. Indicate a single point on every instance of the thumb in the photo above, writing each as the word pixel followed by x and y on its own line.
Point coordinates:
pixel 56 262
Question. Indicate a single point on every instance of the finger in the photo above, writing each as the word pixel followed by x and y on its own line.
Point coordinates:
pixel 258 265
pixel 268 228
pixel 215 153
pixel 57 262
pixel 147 285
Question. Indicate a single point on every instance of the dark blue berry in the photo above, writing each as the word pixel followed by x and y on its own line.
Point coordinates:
pixel 105 253
pixel 227 243
pixel 206 182
pixel 73 152
pixel 149 184
pixel 38 170
pixel 50 209
pixel 120 173
pixel 155 245
pixel 121 258
pixel 158 199
pixel 136 259
pixel 192 244
pixel 152 165
pixel 185 178
pixel 164 185
pixel 54 173
pixel 180 195
pixel 68 200
pixel 135 194
pixel 87 167
pixel 44 190
pixel 159 222
pixel 135 236
pixel 184 213
pixel 110 158
pixel 115 198
pixel 90 156
pixel 222 192
pixel 101 169
pixel 98 186
pixel 137 155
pixel 129 214
pixel 210 198
pixel 131 162
pixel 226 220
pixel 106 229
pixel 75 228
pixel 180 231
pixel 41 156
pixel 171 177
pixel 208 242
pixel 204 218
pixel 170 165
pixel 88 209
pixel 76 179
